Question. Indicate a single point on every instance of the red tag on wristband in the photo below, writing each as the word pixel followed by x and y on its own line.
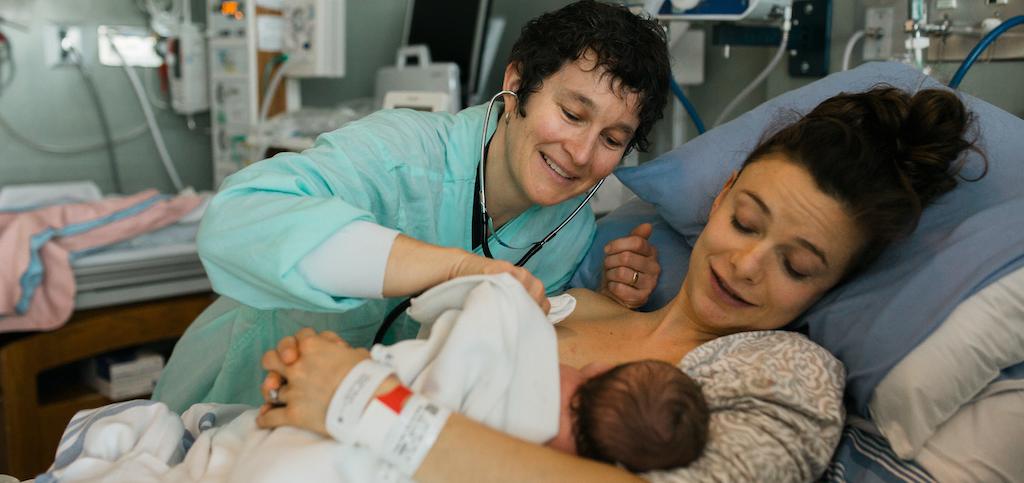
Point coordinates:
pixel 395 398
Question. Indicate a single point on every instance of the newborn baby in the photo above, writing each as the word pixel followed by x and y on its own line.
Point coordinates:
pixel 485 350
pixel 644 415
pixel 495 361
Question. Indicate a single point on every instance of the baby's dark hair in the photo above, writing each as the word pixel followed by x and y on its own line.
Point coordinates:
pixel 631 48
pixel 885 154
pixel 646 415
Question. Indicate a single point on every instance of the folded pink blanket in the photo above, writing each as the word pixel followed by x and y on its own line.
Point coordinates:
pixel 37 286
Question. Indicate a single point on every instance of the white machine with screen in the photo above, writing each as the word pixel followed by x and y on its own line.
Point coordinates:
pixel 417 100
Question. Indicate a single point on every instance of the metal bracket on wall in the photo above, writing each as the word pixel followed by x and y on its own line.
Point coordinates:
pixel 809 38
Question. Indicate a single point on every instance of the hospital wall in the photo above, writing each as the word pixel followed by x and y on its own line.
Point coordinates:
pixel 52 105
pixel 724 78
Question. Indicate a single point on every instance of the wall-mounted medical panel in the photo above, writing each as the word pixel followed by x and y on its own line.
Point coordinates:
pixel 314 37
pixel 966 21
pixel 231 27
pixel 952 27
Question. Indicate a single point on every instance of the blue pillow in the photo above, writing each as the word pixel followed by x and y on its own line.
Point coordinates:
pixel 969 238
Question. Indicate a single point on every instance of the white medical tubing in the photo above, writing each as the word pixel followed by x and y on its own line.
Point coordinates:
pixel 352 396
pixel 102 114
pixel 53 149
pixel 850 44
pixel 157 103
pixel 147 111
pixel 786 24
pixel 268 97
pixel 186 11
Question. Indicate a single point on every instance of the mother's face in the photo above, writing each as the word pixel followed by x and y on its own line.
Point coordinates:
pixel 774 244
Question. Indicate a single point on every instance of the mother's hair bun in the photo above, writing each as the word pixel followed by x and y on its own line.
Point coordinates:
pixel 884 153
pixel 933 139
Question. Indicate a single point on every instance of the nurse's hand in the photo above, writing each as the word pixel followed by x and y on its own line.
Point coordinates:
pixel 631 267
pixel 414 266
pixel 314 365
pixel 473 264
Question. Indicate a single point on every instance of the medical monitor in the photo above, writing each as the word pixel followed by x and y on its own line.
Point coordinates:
pixel 454 31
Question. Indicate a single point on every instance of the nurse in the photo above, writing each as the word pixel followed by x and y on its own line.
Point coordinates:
pixel 390 205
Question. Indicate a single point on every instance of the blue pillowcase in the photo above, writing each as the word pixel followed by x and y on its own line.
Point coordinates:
pixel 967 239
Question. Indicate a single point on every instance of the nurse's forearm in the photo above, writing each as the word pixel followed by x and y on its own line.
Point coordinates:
pixel 469 451
pixel 414 266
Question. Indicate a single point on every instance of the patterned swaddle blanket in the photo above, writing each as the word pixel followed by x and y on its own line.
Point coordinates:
pixel 776 402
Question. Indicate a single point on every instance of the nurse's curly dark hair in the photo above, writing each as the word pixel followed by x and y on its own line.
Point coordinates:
pixel 884 153
pixel 631 48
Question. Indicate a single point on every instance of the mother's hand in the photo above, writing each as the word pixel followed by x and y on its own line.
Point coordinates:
pixel 631 267
pixel 318 364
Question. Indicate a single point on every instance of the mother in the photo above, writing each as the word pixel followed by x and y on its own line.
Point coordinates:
pixel 813 204
pixel 390 205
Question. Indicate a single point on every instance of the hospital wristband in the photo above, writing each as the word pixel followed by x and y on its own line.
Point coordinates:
pixel 350 399
pixel 401 437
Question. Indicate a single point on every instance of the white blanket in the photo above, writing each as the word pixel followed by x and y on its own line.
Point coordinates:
pixel 775 401
pixel 485 350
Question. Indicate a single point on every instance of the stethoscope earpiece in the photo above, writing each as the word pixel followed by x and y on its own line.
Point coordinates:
pixel 508 115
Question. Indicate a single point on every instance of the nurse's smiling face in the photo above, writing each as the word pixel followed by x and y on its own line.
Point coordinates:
pixel 574 133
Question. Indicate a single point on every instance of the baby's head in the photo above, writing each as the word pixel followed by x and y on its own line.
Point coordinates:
pixel 644 415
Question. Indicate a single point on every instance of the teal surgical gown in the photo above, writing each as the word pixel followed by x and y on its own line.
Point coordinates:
pixel 411 171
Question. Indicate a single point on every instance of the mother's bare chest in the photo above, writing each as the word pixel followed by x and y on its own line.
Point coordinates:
pixel 614 341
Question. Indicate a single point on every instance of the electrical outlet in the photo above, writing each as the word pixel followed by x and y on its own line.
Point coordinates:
pixel 135 44
pixel 879 25
pixel 63 45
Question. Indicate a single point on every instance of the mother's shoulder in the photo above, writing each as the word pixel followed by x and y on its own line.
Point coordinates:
pixel 591 305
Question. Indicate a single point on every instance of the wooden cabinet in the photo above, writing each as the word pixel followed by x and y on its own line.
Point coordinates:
pixel 32 423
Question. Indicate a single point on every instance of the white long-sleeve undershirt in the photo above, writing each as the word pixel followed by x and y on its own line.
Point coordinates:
pixel 352 262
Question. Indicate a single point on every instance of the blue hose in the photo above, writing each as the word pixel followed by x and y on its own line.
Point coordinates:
pixel 982 45
pixel 692 111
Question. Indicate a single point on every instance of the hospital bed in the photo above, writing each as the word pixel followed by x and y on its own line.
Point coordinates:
pixel 70 248
pixel 932 335
pixel 94 311
pixel 161 264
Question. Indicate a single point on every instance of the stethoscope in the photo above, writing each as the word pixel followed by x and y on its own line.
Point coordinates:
pixel 487 225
